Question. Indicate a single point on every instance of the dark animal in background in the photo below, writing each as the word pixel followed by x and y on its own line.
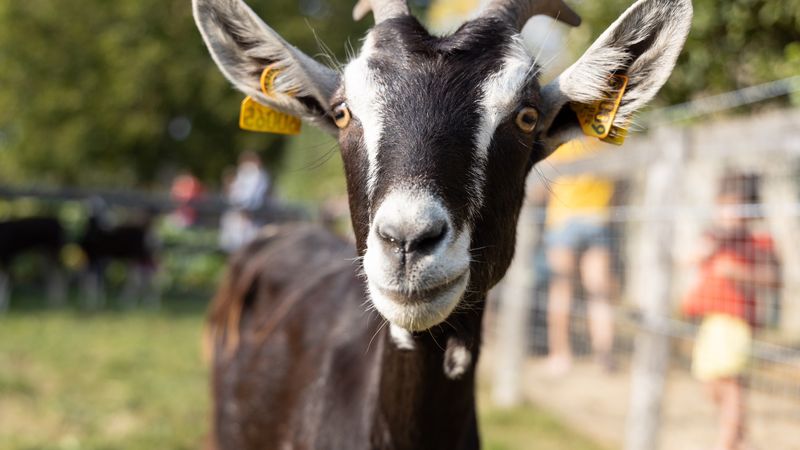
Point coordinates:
pixel 130 243
pixel 43 235
pixel 437 136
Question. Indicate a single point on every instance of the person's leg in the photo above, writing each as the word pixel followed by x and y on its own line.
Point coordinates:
pixel 731 414
pixel 562 264
pixel 93 285
pixel 56 282
pixel 129 296
pixel 5 290
pixel 596 277
pixel 713 390
pixel 151 289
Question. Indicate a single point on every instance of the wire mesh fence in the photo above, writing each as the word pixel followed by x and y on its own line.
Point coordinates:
pixel 661 298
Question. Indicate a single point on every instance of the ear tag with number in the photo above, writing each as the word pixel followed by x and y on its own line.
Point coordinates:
pixel 597 119
pixel 254 116
pixel 616 136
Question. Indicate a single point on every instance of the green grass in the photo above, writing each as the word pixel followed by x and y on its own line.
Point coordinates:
pixel 136 380
pixel 527 428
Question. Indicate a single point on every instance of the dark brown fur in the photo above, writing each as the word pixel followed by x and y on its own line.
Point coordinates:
pixel 299 362
pixel 300 359
pixel 18 236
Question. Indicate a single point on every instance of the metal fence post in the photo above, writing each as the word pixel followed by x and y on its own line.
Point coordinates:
pixel 651 346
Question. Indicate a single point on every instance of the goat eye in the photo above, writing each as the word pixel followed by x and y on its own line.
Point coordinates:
pixel 526 119
pixel 341 115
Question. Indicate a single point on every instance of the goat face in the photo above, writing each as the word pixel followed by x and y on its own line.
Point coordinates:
pixel 431 148
pixel 439 133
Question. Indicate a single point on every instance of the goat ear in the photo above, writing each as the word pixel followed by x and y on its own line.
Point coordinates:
pixel 643 43
pixel 242 45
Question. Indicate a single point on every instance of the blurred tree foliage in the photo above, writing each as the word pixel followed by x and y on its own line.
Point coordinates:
pixel 97 92
pixel 113 93
pixel 732 44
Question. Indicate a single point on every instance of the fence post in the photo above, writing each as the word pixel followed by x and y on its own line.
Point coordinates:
pixel 779 190
pixel 516 301
pixel 651 345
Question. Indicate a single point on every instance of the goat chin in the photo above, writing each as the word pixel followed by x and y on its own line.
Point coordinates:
pixel 419 313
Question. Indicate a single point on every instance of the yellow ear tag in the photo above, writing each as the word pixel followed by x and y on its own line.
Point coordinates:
pixel 597 119
pixel 616 136
pixel 254 116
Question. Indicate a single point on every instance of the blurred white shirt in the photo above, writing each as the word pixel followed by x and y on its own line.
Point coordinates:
pixel 249 188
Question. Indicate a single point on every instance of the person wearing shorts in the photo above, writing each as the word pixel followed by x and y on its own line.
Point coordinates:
pixel 734 264
pixel 578 239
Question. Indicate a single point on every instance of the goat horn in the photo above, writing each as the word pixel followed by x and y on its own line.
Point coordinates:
pixel 517 12
pixel 381 9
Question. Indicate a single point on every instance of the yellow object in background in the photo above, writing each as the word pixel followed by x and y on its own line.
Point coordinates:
pixel 585 196
pixel 446 15
pixel 73 257
pixel 722 348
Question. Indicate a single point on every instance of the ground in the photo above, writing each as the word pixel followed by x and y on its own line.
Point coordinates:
pixel 136 380
pixel 595 403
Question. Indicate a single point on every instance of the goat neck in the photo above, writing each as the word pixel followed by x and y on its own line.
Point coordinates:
pixel 426 391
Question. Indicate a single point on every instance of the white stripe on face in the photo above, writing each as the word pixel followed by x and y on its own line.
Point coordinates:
pixel 500 99
pixel 363 98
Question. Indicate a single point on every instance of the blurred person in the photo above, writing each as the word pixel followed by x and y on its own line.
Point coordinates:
pixel 250 185
pixel 185 189
pixel 246 189
pixel 734 265
pixel 578 239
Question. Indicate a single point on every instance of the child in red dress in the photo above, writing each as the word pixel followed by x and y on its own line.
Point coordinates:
pixel 734 264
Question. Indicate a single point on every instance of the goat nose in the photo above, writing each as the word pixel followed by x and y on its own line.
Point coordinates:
pixel 419 238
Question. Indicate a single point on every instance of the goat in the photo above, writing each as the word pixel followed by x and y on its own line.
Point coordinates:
pixel 131 243
pixel 437 136
pixel 41 234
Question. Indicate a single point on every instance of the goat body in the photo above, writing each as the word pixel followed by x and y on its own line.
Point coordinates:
pixel 130 243
pixel 18 236
pixel 299 363
pixel 438 135
pixel 41 234
pixel 125 242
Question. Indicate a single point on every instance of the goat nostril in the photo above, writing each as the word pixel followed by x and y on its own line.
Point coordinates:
pixel 428 239
pixel 392 237
pixel 403 240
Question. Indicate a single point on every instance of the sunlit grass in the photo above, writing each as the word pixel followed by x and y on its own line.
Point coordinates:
pixel 129 380
pixel 527 428
pixel 135 380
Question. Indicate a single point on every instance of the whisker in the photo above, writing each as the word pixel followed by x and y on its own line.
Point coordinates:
pixel 376 333
pixel 435 341
pixel 447 322
pixel 481 248
pixel 544 41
